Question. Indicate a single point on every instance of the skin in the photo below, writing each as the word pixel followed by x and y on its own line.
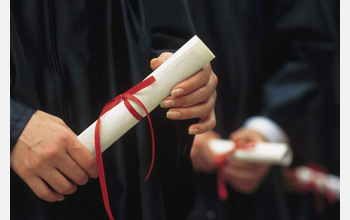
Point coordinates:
pixel 192 98
pixel 201 155
pixel 48 152
pixel 46 149
pixel 243 177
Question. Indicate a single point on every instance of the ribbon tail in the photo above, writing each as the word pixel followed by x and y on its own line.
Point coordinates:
pixel 221 183
pixel 222 190
pixel 139 117
pixel 153 146
pixel 101 170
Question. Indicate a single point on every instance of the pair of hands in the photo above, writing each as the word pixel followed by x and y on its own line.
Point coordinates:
pixel 243 177
pixel 48 151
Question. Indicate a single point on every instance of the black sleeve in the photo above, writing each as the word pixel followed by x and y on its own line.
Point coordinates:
pixel 19 117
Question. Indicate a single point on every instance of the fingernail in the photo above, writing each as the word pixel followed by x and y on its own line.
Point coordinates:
pixel 177 92
pixel 193 131
pixel 60 199
pixel 173 114
pixel 167 103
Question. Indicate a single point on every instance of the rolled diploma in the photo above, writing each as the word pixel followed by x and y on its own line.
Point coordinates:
pixel 323 182
pixel 263 152
pixel 190 58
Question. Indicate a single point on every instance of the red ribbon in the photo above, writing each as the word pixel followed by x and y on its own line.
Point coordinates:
pixel 317 170
pixel 221 161
pixel 112 103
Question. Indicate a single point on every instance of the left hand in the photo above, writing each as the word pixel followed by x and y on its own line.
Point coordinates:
pixel 245 177
pixel 201 155
pixel 192 98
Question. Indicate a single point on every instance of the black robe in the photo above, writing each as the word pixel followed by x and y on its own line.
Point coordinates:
pixel 68 58
pixel 277 59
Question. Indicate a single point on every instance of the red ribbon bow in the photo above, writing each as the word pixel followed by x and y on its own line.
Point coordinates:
pixel 128 95
pixel 221 161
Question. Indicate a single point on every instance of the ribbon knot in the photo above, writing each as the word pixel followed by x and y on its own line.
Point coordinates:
pixel 128 95
pixel 221 161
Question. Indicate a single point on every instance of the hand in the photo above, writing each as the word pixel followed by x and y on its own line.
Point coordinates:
pixel 48 151
pixel 192 98
pixel 244 134
pixel 201 156
pixel 245 177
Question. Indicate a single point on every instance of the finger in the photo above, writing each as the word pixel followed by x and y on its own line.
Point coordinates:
pixel 240 135
pixel 73 171
pixel 194 82
pixel 83 157
pixel 200 95
pixel 57 181
pixel 39 187
pixel 196 111
pixel 156 62
pixel 206 124
pixel 247 135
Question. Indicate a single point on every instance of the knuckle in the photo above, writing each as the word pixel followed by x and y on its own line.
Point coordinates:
pixel 215 78
pixel 51 153
pixel 214 122
pixel 60 120
pixel 62 137
pixel 35 164
pixel 19 168
pixel 211 106
pixel 205 127
pixel 189 113
pixel 206 75
pixel 67 189
pixel 182 101
pixel 45 194
pixel 211 124
pixel 207 109
pixel 205 93
pixel 90 163
pixel 82 178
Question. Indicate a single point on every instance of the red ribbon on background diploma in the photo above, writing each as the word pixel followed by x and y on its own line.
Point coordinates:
pixel 128 95
pixel 317 193
pixel 221 161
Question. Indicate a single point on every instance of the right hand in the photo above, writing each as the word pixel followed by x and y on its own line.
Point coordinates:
pixel 201 155
pixel 243 176
pixel 194 97
pixel 49 152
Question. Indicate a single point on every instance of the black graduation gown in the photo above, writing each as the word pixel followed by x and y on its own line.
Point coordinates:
pixel 68 58
pixel 273 58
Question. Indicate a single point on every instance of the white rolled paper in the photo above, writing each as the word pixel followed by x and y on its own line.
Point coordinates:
pixel 263 152
pixel 324 182
pixel 186 61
